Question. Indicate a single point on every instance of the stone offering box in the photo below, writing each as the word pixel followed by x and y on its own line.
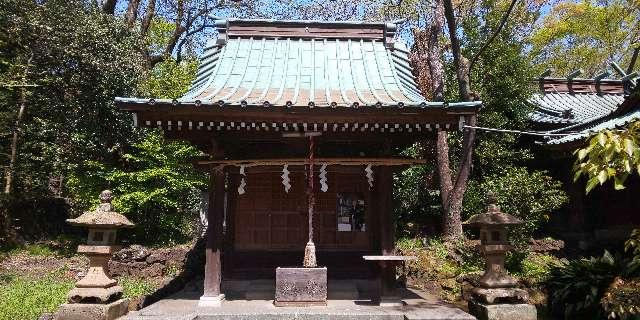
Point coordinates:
pixel 301 287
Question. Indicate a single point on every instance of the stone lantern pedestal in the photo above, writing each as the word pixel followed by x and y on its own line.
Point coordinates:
pixel 496 297
pixel 97 296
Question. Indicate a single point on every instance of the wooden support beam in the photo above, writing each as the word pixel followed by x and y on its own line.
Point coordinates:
pixel 327 161
pixel 213 296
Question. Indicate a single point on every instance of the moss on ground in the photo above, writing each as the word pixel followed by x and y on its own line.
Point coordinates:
pixel 25 298
pixel 136 287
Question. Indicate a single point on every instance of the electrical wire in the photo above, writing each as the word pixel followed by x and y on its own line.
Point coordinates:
pixel 531 133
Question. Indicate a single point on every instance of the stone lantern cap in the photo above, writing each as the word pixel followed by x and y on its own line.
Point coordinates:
pixel 493 216
pixel 103 216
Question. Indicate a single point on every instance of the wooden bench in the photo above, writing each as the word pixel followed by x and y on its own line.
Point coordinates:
pixel 388 294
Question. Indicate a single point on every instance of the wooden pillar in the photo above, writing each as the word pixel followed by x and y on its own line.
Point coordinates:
pixel 233 179
pixel 213 296
pixel 384 187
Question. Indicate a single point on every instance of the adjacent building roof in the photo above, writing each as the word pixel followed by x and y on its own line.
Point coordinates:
pixel 595 126
pixel 579 107
pixel 304 63
pixel 564 101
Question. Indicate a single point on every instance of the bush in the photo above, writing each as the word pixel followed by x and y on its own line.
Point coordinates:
pixel 576 287
pixel 533 269
pixel 156 187
pixel 439 264
pixel 23 298
pixel 530 196
pixel 622 299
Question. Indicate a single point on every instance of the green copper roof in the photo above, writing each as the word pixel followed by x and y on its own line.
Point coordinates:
pixel 267 66
pixel 301 71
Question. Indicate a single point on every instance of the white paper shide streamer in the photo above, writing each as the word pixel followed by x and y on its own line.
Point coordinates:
pixel 243 182
pixel 369 175
pixel 285 178
pixel 323 178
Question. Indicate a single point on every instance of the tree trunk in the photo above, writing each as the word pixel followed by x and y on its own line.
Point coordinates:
pixel 427 58
pixel 444 171
pixel 452 204
pixel 452 222
pixel 16 131
pixel 461 63
pixel 5 224
pixel 14 145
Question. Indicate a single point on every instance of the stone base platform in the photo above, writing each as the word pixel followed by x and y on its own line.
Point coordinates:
pixel 503 311
pixel 91 311
pixel 184 306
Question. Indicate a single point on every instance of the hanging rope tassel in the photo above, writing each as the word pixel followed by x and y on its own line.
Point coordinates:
pixel 243 182
pixel 369 175
pixel 285 178
pixel 323 178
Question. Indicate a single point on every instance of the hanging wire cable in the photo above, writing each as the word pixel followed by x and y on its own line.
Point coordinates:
pixel 531 133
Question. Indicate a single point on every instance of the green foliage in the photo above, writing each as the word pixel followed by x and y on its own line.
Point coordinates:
pixel 632 246
pixel 534 269
pixel 531 196
pixel 622 299
pixel 23 298
pixel 73 141
pixel 136 287
pixel 169 79
pixel 586 35
pixel 436 264
pixel 63 246
pixel 576 287
pixel 156 187
pixel 37 250
pixel 500 160
pixel 609 155
pixel 80 60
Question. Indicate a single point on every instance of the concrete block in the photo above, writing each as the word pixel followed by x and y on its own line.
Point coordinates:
pixel 207 301
pixel 92 311
pixel 503 311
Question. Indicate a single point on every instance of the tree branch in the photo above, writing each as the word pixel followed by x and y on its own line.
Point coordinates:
pixel 180 29
pixel 109 6
pixel 146 21
pixel 634 58
pixel 132 12
pixel 186 36
pixel 503 21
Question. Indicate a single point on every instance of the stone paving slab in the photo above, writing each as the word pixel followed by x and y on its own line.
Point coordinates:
pixel 418 307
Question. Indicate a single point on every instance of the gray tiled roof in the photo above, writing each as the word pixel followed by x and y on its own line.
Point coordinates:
pixel 573 108
pixel 615 122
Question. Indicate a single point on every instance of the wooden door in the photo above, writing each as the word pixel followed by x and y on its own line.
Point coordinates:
pixel 268 218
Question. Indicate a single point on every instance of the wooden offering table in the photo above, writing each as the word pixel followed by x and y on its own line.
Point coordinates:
pixel 388 295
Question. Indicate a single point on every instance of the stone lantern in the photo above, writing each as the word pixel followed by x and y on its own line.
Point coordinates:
pixel 496 296
pixel 97 296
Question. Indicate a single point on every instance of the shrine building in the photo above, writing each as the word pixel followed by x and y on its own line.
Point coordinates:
pixel 300 119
